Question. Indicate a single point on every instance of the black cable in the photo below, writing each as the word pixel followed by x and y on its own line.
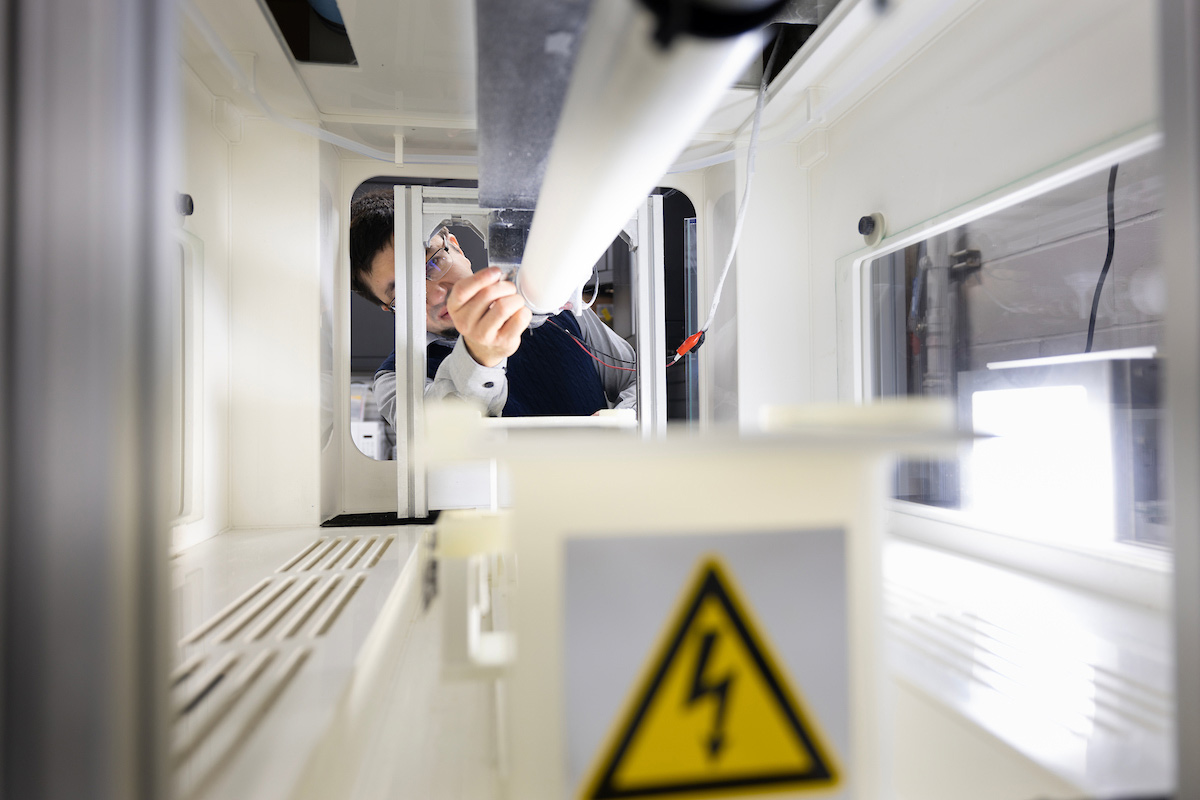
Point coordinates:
pixel 588 347
pixel 1112 242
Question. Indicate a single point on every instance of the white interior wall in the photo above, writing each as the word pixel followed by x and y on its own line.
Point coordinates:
pixel 205 176
pixel 274 328
pixel 332 211
pixel 719 355
pixel 772 292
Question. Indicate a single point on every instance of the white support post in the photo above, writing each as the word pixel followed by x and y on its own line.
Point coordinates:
pixel 651 335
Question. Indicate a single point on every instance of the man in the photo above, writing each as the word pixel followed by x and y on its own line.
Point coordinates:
pixel 483 344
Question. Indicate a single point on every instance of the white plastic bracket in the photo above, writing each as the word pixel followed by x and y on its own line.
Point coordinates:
pixel 471 571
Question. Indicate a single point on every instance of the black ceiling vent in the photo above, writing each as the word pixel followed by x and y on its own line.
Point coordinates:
pixel 313 30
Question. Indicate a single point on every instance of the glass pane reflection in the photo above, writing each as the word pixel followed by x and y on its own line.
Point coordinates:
pixel 995 315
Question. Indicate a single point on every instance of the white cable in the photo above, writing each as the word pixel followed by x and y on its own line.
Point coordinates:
pixel 595 292
pixel 244 83
pixel 751 151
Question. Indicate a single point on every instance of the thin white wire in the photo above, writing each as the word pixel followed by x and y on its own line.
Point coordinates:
pixel 818 114
pixel 751 152
pixel 595 292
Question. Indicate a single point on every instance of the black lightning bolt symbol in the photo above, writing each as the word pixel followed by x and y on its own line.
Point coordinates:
pixel 702 688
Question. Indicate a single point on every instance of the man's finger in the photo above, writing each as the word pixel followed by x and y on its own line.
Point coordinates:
pixel 469 315
pixel 516 324
pixel 467 288
pixel 500 312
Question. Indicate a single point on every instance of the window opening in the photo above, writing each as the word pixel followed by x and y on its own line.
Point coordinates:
pixel 314 31
pixel 372 332
pixel 997 315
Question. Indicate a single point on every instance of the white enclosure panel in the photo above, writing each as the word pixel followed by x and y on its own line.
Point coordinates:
pixel 204 175
pixel 772 293
pixel 333 393
pixel 274 328
pixel 719 355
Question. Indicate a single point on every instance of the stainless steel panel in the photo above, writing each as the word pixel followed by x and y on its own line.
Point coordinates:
pixel 85 307
pixel 526 49
pixel 1180 104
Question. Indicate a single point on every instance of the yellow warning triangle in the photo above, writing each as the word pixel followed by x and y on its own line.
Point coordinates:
pixel 714 714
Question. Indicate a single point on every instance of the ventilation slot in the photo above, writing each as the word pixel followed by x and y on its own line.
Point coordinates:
pixel 337 556
pixel 275 685
pixel 330 616
pixel 224 703
pixel 225 613
pixel 294 560
pixel 251 613
pixel 341 552
pixel 184 670
pixel 320 553
pixel 358 554
pixel 282 609
pixel 204 685
pixel 374 559
pixel 309 608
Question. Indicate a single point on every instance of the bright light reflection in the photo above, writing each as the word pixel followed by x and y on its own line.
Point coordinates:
pixel 1049 471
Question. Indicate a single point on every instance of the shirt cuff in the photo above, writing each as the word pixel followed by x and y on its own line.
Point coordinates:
pixel 472 380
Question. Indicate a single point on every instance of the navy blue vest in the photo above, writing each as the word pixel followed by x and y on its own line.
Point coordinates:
pixel 549 375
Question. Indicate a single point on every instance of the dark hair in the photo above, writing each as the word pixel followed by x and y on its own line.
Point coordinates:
pixel 372 226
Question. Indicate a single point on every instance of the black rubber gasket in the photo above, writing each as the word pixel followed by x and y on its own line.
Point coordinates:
pixel 700 19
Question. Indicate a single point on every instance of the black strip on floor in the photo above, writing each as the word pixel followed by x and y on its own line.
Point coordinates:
pixel 377 519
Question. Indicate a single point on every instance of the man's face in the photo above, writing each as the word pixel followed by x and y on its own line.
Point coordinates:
pixel 382 279
pixel 443 248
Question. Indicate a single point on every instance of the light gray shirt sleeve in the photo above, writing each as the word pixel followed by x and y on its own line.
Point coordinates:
pixel 460 375
pixel 384 389
pixel 620 386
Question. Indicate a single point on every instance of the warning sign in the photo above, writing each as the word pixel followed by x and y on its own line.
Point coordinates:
pixel 714 714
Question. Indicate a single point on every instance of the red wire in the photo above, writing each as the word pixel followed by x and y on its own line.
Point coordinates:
pixel 579 344
pixel 588 350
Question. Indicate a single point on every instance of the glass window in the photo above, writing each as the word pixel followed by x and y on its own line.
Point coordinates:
pixel 1042 322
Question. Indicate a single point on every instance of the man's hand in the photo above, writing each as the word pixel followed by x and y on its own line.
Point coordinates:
pixel 489 314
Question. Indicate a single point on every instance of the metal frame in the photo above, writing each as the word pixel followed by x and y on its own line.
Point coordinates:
pixel 7 110
pixel 86 311
pixel 1180 102
pixel 410 352
pixel 651 336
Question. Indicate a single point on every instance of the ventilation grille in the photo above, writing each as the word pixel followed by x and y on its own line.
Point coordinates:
pixel 240 660
pixel 1053 679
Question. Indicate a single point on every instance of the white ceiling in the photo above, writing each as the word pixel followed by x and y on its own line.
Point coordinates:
pixel 415 73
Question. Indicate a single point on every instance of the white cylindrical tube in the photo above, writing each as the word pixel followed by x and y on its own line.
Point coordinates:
pixel 630 110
